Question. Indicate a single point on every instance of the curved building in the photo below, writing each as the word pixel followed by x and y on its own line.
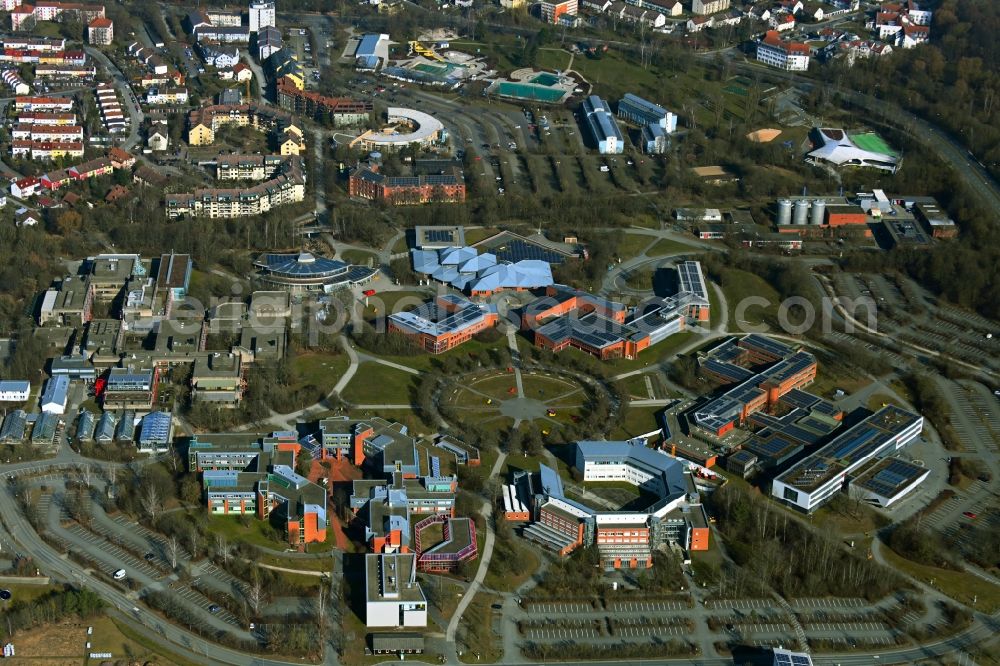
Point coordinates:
pixel 419 128
pixel 305 271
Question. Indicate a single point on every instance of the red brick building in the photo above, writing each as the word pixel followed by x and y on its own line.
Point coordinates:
pixel 367 183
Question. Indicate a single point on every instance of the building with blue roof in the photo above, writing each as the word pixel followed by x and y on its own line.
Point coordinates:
pixel 44 431
pixel 602 126
pixel 372 48
pixel 481 275
pixel 654 140
pixel 104 433
pixel 55 395
pixel 624 538
pixel 304 271
pixel 642 112
pixel 156 432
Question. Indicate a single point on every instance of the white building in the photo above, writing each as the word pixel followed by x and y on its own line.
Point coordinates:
pixel 14 390
pixel 603 128
pixel 789 56
pixel 55 395
pixel 159 137
pixel 705 7
pixel 821 475
pixel 261 15
pixel 393 597
pixel 221 57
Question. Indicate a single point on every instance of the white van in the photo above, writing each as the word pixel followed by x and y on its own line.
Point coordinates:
pixel 120 574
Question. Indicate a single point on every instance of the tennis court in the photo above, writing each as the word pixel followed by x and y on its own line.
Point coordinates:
pixel 529 91
pixel 546 79
pixel 873 143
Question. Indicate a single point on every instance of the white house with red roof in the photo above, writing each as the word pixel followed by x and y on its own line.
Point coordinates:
pixel 787 55
pixel 25 187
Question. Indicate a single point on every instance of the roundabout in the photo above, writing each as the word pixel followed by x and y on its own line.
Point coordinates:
pixel 550 397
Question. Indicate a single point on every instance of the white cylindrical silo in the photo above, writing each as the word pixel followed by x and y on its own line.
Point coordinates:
pixel 784 212
pixel 818 212
pixel 801 216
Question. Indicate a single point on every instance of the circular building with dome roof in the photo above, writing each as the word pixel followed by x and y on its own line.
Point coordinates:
pixel 304 271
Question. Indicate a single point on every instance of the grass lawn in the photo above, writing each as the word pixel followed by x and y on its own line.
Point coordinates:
pixel 636 387
pixel 473 236
pixel 375 383
pixel 714 308
pixel 424 362
pixel 256 532
pixel 27 592
pixel 359 257
pixel 638 421
pixel 740 285
pixel 400 245
pixel 611 74
pixel 540 387
pixel 668 246
pixel 391 302
pixel 876 401
pixel 958 585
pixel 655 354
pixel 319 369
pixel 431 536
pixel 528 562
pixel 483 648
pixel 632 245
pixel 117 637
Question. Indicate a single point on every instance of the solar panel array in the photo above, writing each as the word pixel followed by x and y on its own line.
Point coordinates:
pixel 435 466
pixel 518 250
pixel 891 479
pixel 775 449
pixel 691 279
pixel 439 235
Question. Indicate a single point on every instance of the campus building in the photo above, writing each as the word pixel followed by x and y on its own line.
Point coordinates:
pixel 245 477
pixel 444 323
pixel 641 112
pixel 457 544
pixel 602 127
pixel 481 275
pixel 14 390
pixel 567 317
pixel 814 480
pixel 729 363
pixel 367 182
pixel 393 597
pixel 304 271
pixel 625 539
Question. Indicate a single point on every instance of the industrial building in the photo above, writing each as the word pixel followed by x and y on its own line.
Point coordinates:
pixel 241 476
pixel 814 480
pixel 393 597
pixel 601 126
pixel 641 112
pixel 625 539
pixel 444 323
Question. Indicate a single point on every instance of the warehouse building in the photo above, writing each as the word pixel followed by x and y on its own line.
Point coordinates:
pixel 817 478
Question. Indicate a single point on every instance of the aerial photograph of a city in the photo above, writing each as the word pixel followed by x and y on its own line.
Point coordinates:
pixel 528 332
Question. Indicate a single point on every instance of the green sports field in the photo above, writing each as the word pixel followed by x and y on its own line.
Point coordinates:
pixel 529 91
pixel 873 143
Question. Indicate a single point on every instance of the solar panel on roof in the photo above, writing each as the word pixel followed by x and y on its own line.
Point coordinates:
pixel 518 250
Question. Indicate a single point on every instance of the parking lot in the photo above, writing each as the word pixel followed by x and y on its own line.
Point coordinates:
pixel 556 607
pixel 648 606
pixel 115 557
pixel 848 627
pixel 831 602
pixel 743 604
pixel 562 633
pixel 198 599
pixel 647 630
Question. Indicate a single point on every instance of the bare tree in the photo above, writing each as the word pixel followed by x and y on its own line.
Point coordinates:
pixel 321 609
pixel 222 547
pixel 173 548
pixel 255 593
pixel 194 537
pixel 87 474
pixel 112 475
pixel 150 501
